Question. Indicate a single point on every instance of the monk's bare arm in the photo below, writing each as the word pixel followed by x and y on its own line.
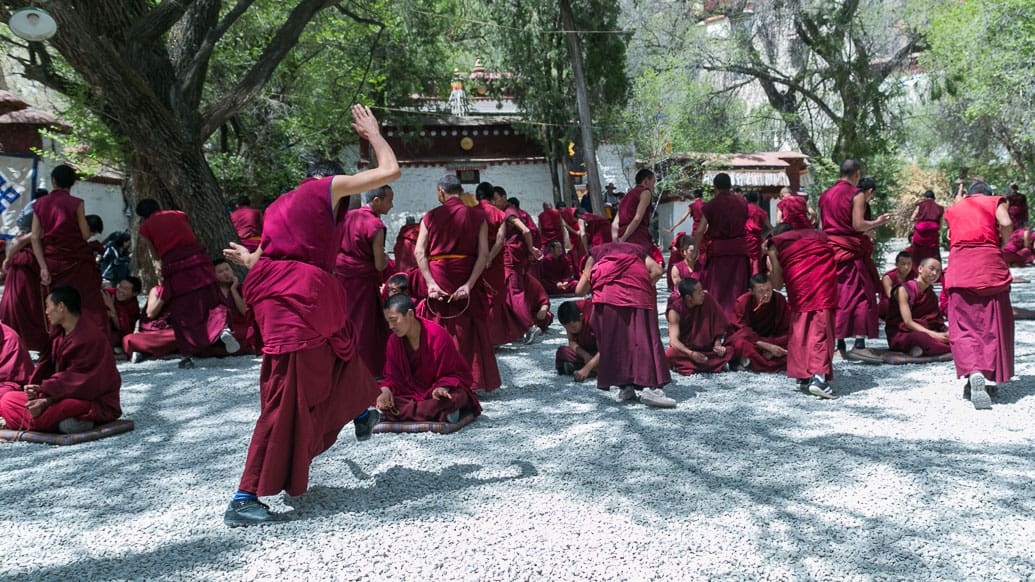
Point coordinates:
pixel 859 221
pixel 18 244
pixel 767 227
pixel 37 249
pixel 678 222
pixel 80 217
pixel 654 269
pixel 614 229
pixel 775 269
pixel 154 305
pixel 916 211
pixel 886 283
pixel 380 258
pixel 582 234
pixel 387 170
pixel 420 253
pixel 526 233
pixel 582 287
pixel 699 235
pixel 497 245
pixel 676 277
pixel 483 256
pixel 1002 217
pixel 641 212
pixel 673 333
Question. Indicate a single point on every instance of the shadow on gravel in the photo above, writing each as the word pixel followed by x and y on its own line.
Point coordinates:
pixel 397 486
pixel 1015 391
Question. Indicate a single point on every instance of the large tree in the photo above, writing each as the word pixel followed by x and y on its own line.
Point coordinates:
pixel 142 68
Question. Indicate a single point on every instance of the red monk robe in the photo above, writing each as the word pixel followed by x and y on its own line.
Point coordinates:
pixel 625 318
pixel 699 328
pixel 1017 208
pixel 794 211
pixel 884 306
pixel 585 339
pixel 754 322
pixel 412 375
pixel 127 313
pixel 627 208
pixel 927 231
pixel 538 303
pixel 22 303
pixel 197 312
pixel 981 323
pixel 923 309
pixel 571 224
pixel 248 224
pixel 156 337
pixel 519 315
pixel 405 242
pixel 356 271
pixel 557 273
pixel 804 262
pixel 312 382
pixel 79 378
pixel 69 259
pixel 551 227
pixel 1017 251
pixel 857 279
pixel 494 279
pixel 756 224
pixel 727 269
pixel 454 243
pixel 595 228
pixel 675 256
pixel 15 363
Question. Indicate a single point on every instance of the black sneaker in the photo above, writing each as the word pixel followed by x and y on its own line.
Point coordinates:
pixel 567 369
pixel 246 512
pixel 365 427
pixel 186 363
pixel 820 388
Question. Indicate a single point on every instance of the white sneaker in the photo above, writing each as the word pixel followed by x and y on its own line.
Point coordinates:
pixel 228 339
pixel 532 334
pixel 656 397
pixel 978 395
pixel 136 358
pixel 627 393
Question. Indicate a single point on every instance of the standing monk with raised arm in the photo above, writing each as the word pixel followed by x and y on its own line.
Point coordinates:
pixel 311 383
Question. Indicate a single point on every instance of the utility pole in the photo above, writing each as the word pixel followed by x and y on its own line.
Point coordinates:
pixel 582 101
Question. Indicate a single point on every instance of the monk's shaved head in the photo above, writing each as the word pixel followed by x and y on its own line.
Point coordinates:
pixel 568 312
pixel 401 304
pixel 687 286
pixel 850 167
pixel 930 261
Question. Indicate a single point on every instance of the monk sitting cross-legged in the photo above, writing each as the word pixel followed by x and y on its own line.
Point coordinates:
pixel 77 385
pixel 761 320
pixel 580 357
pixel 425 377
pixel 696 330
pixel 915 323
pixel 902 272
pixel 123 309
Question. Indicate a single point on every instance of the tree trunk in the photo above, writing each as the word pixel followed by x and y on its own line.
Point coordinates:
pixel 589 152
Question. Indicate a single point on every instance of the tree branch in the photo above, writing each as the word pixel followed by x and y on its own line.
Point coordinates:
pixel 195 74
pixel 160 19
pixel 248 87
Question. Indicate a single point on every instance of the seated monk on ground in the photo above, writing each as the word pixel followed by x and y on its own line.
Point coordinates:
pixel 762 322
pixel 556 271
pixel 697 327
pixel 425 378
pixel 76 386
pixel 230 291
pixel 903 271
pixel 155 337
pixel 15 363
pixel 684 267
pixel 580 357
pixel 1017 250
pixel 123 309
pixel 917 326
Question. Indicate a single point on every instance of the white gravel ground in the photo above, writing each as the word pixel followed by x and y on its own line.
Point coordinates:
pixel 747 478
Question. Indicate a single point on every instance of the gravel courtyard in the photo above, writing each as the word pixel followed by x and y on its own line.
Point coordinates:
pixel 747 478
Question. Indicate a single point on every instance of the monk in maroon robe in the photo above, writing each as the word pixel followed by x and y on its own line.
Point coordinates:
pixel 1017 250
pixel 727 268
pixel 622 277
pixel 452 250
pixel 695 210
pixel 199 317
pixel 240 324
pixel 556 272
pixel 632 224
pixel 902 272
pixel 15 363
pixel 22 303
pixel 76 385
pixel 761 324
pixel 675 255
pixel 842 212
pixel 697 329
pixel 793 210
pixel 503 327
pixel 927 221
pixel 756 229
pixel 571 225
pixel 580 357
pixel 247 222
pixel 803 261
pixel 518 251
pixel 683 269
pixel 360 262
pixel 1017 206
pixel 915 323
pixel 981 326
pixel 123 309
pixel 155 337
pixel 593 229
pixel 59 235
pixel 425 377
pixel 551 227
pixel 312 381
pixel 405 242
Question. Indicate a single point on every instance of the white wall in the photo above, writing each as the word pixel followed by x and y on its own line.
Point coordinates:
pixel 104 200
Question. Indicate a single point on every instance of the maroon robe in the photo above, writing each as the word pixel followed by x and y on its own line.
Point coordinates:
pixel 885 302
pixel 551 227
pixel 753 228
pixel 23 303
pixel 1015 253
pixel 699 327
pixel 412 375
pixel 585 339
pixel 537 297
pixel 242 329
pixel 518 316
pixel 727 269
pixel 598 229
pixel 156 337
pixel 494 280
pixel 311 383
pixel 627 212
pixel 1017 207
pixel 553 271
pixel 857 279
pixel 15 363
pixel 927 231
pixel 247 222
pixel 128 312
pixel 577 248
pixel 355 270
pixel 452 238
pixel 405 242
pixel 197 312
pixel 79 376
pixel 981 322
pixel 810 276
pixel 924 309
pixel 68 256
pixel 794 211
pixel 675 256
pixel 770 323
pixel 625 318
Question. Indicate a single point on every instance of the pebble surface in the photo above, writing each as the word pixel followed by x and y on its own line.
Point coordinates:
pixel 747 478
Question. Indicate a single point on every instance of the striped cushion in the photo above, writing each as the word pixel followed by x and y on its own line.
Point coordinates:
pixel 891 357
pixel 439 427
pixel 50 438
